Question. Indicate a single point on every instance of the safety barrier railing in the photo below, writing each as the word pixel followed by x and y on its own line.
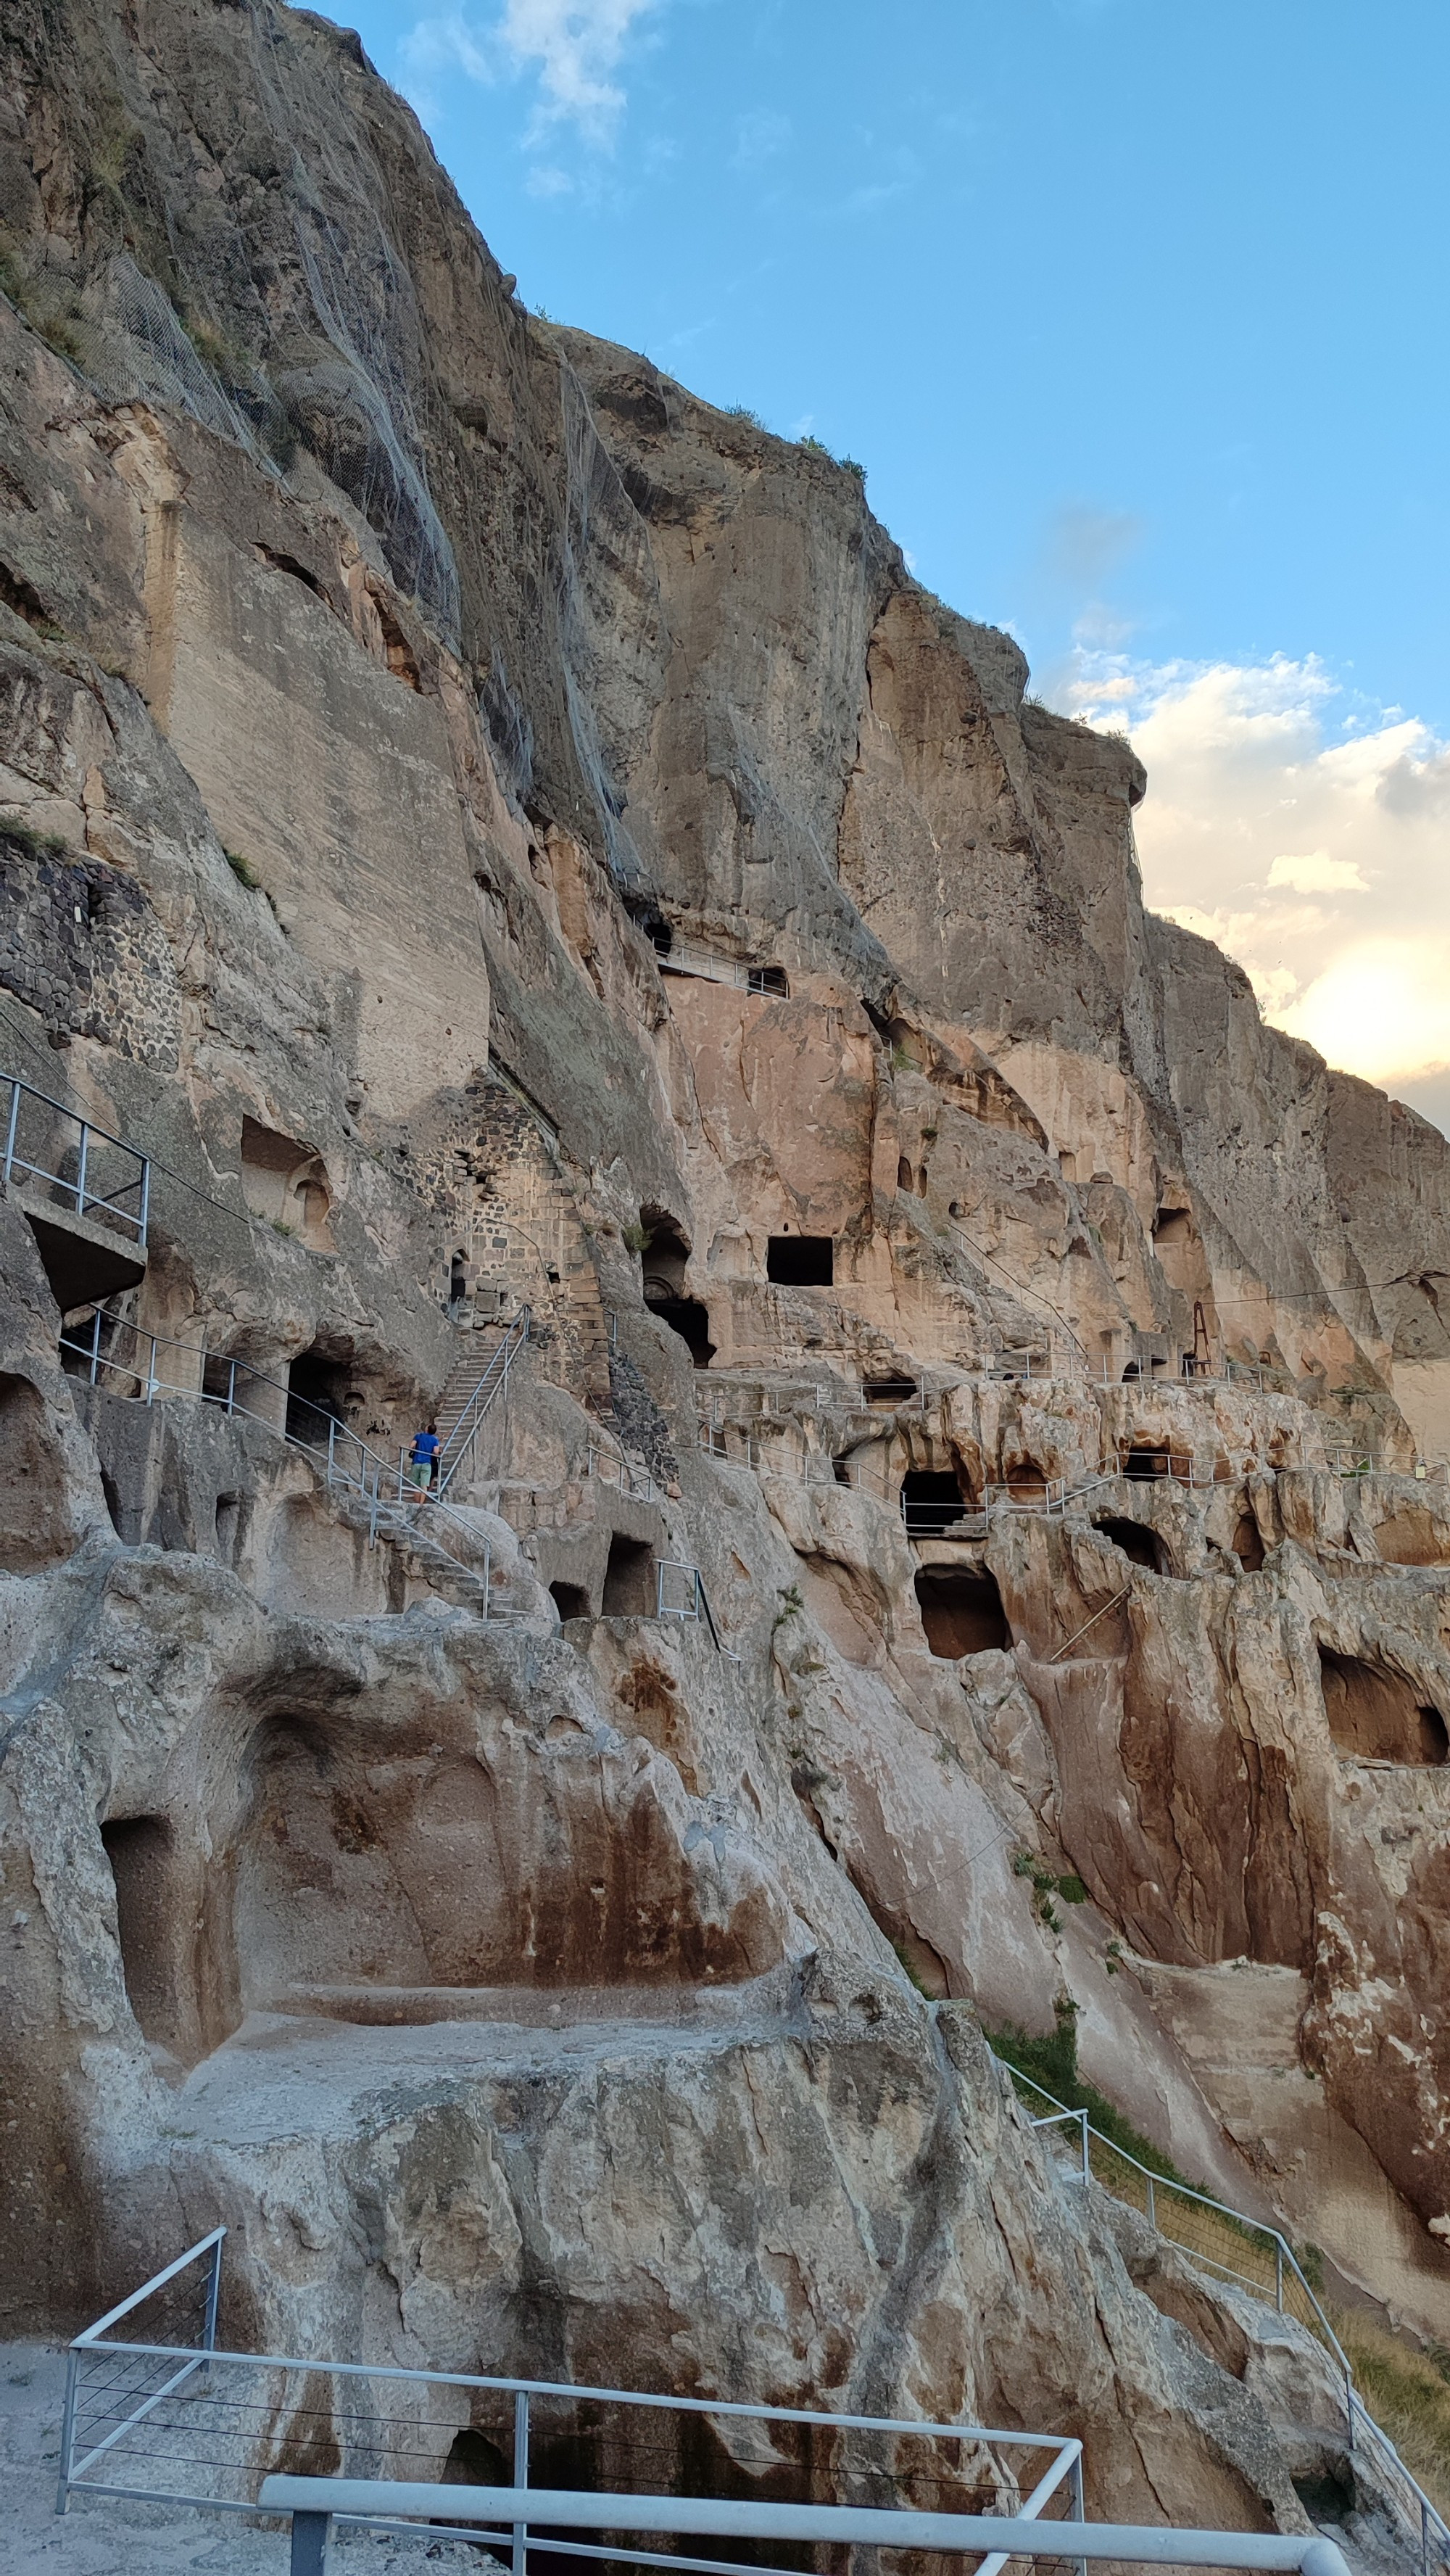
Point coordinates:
pixel 314 2503
pixel 462 1440
pixel 1230 2246
pixel 1143 1462
pixel 173 2419
pixel 694 957
pixel 680 1594
pixel 99 1175
pixel 344 1460
pixel 612 1467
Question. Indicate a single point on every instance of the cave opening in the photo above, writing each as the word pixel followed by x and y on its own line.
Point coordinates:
pixel 629 1579
pixel 690 1320
pixel 890 1390
pixel 663 1267
pixel 1374 1715
pixel 1141 1546
pixel 801 1261
pixel 1143 1465
pixel 317 1389
pixel 961 1611
pixel 931 1504
pixel 570 1600
pixel 1248 1545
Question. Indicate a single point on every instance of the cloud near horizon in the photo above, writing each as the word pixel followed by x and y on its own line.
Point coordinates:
pixel 1307 834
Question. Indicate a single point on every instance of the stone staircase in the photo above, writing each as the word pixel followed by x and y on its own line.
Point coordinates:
pixel 404 1526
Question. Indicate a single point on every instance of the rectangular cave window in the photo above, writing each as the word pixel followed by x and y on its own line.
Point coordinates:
pixel 570 1600
pixel 931 1504
pixel 801 1261
pixel 889 1390
pixel 629 1579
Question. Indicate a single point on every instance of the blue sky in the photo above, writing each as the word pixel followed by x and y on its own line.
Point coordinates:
pixel 1135 313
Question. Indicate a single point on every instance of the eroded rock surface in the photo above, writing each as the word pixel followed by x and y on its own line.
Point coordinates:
pixel 497 832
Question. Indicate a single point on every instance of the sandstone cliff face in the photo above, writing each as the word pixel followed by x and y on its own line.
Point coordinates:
pixel 496 830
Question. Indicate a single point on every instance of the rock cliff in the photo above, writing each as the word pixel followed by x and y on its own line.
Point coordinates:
pixel 495 833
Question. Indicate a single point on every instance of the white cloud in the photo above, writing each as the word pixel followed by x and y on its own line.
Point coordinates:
pixel 1317 873
pixel 574 47
pixel 1307 833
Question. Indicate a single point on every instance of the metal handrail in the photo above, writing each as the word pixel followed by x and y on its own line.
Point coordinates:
pixel 350 1463
pixel 13 1162
pixel 635 1484
pixel 1286 2261
pixel 697 1604
pixel 128 2401
pixel 313 2502
pixel 493 1381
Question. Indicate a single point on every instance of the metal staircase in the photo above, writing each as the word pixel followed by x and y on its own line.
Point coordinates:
pixel 468 1399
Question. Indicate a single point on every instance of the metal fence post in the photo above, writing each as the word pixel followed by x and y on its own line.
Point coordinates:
pixel 151 1378
pixel 95 1345
pixel 1087 2171
pixel 331 1448
pixel 145 1201
pixel 81 1169
pixel 1152 2204
pixel 213 2298
pixel 67 2431
pixel 10 1131
pixel 521 2476
pixel 1279 2272
pixel 1079 2504
pixel 309 2543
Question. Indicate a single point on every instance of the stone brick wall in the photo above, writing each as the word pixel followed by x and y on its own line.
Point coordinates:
pixel 80 943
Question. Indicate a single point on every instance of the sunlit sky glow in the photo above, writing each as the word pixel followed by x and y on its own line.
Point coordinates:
pixel 1135 314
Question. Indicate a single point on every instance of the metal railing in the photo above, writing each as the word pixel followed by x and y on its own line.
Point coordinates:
pixel 92 1181
pixel 314 2503
pixel 612 1467
pixel 1144 1462
pixel 344 1460
pixel 174 2420
pixel 462 1439
pixel 680 1594
pixel 1231 2246
pixel 695 957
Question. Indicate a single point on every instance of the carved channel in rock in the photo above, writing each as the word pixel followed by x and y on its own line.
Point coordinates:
pixel 1374 1715
pixel 961 1611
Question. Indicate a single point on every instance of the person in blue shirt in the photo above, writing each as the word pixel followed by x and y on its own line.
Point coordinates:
pixel 423 1460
